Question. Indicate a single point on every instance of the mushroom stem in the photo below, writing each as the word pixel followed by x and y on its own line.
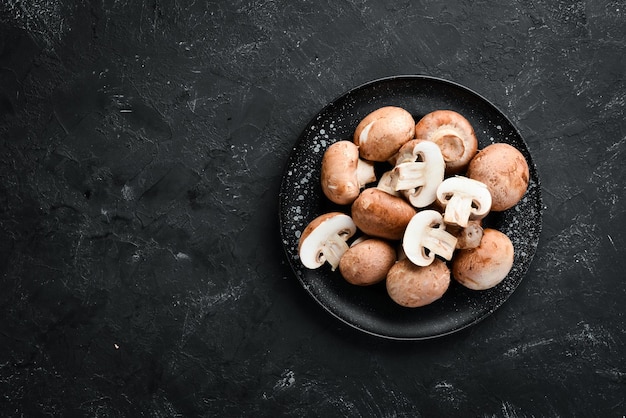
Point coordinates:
pixel 363 137
pixel 440 242
pixel 451 145
pixel 365 172
pixel 333 249
pixel 408 175
pixel 458 210
pixel 384 183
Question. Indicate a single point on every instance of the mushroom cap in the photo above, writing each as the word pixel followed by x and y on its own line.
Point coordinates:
pixel 414 286
pixel 382 132
pixel 468 236
pixel 487 265
pixel 463 198
pixel 380 214
pixel 454 135
pixel 318 232
pixel 367 262
pixel 504 170
pixel 343 173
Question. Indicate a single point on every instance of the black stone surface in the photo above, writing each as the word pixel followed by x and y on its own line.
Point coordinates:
pixel 141 266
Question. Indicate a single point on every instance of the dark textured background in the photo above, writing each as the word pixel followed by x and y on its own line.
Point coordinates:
pixel 141 268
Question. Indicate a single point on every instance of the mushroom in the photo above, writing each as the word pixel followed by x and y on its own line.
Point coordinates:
pixel 426 236
pixel 343 173
pixel 418 172
pixel 463 199
pixel 416 286
pixel 382 132
pixel 487 265
pixel 324 240
pixel 367 262
pixel 504 170
pixel 380 214
pixel 453 134
pixel 385 184
pixel 469 236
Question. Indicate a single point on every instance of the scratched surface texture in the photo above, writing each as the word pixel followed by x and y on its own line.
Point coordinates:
pixel 142 148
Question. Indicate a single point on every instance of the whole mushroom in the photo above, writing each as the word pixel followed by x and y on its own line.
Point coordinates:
pixel 382 132
pixel 380 214
pixel 469 236
pixel 504 170
pixel 367 262
pixel 487 265
pixel 414 286
pixel 343 173
pixel 454 135
pixel 324 240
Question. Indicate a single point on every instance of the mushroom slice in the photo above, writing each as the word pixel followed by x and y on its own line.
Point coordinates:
pixel 343 173
pixel 454 135
pixel 418 172
pixel 426 236
pixel 324 240
pixel 463 199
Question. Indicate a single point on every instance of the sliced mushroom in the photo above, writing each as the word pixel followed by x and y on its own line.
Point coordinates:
pixel 367 262
pixel 416 286
pixel 463 199
pixel 324 240
pixel 418 172
pixel 343 173
pixel 454 135
pixel 382 132
pixel 380 214
pixel 504 171
pixel 426 236
pixel 488 264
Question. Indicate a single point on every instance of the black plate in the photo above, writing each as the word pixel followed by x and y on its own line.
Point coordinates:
pixel 370 309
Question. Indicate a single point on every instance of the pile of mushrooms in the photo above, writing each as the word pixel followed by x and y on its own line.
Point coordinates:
pixel 420 224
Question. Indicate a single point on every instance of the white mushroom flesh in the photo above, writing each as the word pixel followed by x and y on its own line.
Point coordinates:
pixel 418 179
pixel 463 199
pixel 425 237
pixel 365 172
pixel 327 242
pixel 384 183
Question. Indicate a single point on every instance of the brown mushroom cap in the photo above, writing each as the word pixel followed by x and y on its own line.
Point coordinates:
pixel 367 262
pixel 504 170
pixel 343 173
pixel 487 265
pixel 413 286
pixel 380 214
pixel 469 236
pixel 381 133
pixel 454 135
